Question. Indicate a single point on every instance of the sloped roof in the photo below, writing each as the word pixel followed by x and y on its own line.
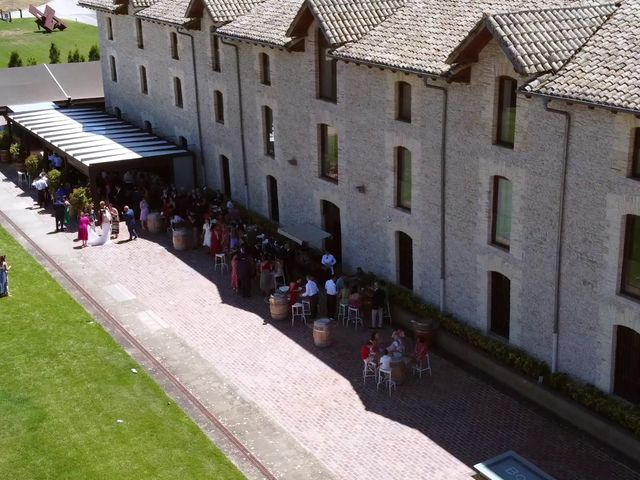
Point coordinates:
pixel 345 21
pixel 105 5
pixel 538 41
pixel 166 11
pixel 606 70
pixel 420 36
pixel 266 23
pixel 223 11
pixel 143 3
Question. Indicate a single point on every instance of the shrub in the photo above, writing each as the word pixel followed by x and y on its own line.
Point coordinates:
pixel 15 60
pixel 80 199
pixel 75 57
pixel 5 139
pixel 55 180
pixel 16 152
pixel 54 53
pixel 94 53
pixel 32 165
pixel 31 61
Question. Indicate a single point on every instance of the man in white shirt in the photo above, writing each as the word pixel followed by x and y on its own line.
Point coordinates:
pixel 332 292
pixel 311 293
pixel 385 361
pixel 328 261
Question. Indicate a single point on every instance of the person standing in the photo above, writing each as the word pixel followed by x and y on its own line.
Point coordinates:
pixel 332 293
pixel 130 221
pixel 245 270
pixel 115 221
pixel 328 262
pixel 67 212
pixel 311 293
pixel 58 213
pixel 4 276
pixel 377 306
pixel 83 228
pixel 144 213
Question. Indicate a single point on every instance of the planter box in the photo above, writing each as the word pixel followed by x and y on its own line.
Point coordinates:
pixel 582 418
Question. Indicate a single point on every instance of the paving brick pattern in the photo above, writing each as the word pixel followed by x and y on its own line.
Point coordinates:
pixel 433 428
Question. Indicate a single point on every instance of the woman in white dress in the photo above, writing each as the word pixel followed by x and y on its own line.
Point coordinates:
pixel 105 237
pixel 206 234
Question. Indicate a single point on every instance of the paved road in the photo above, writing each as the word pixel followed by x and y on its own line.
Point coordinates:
pixel 303 411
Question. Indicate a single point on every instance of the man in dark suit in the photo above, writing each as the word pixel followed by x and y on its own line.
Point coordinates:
pixel 130 221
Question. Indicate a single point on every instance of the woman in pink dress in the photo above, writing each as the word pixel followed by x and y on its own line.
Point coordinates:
pixel 83 229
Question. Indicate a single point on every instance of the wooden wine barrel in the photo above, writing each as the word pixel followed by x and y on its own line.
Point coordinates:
pixel 182 239
pixel 323 332
pixel 155 222
pixel 279 306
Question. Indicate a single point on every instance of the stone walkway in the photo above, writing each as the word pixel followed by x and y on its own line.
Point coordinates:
pixel 304 412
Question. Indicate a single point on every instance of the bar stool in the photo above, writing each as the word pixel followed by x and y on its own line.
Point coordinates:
pixel 297 310
pixel 306 307
pixel 342 313
pixel 354 315
pixel 220 260
pixel 370 370
pixel 384 376
pixel 423 365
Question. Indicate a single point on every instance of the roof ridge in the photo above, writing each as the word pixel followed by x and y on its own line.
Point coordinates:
pixel 551 9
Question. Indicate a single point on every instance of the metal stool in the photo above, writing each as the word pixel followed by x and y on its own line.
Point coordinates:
pixel 354 315
pixel 387 312
pixel 423 366
pixel 306 306
pixel 297 310
pixel 384 376
pixel 370 370
pixel 220 260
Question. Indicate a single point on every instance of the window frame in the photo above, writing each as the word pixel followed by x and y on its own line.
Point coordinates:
pixel 400 154
pixel 173 45
pixel 144 84
pixel 216 64
pixel 495 207
pixel 327 93
pixel 631 222
pixel 265 69
pixel 635 154
pixel 403 101
pixel 218 106
pixel 323 150
pixel 177 92
pixel 269 144
pixel 113 68
pixel 502 112
pixel 139 34
pixel 109 28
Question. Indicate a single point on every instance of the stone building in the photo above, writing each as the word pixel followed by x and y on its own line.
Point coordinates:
pixel 483 153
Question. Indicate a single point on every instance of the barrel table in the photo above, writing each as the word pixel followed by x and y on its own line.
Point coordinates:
pixel 323 332
pixel 155 223
pixel 279 306
pixel 398 369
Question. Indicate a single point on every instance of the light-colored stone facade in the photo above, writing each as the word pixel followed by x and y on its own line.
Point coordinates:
pixel 598 193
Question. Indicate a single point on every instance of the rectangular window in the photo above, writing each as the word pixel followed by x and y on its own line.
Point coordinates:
pixel 139 33
pixel 215 53
pixel 177 90
pixel 269 139
pixel 405 260
pixel 173 39
pixel 327 76
pixel 265 69
pixel 403 102
pixel 112 64
pixel 501 221
pixel 403 178
pixel 143 80
pixel 635 154
pixel 631 260
pixel 506 125
pixel 109 29
pixel 218 105
pixel 328 152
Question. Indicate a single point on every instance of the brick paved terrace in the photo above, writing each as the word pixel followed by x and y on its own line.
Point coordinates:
pixel 431 428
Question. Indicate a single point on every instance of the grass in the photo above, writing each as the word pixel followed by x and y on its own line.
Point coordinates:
pixel 63 384
pixel 22 35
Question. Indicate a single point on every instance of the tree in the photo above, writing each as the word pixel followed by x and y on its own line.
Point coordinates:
pixel 94 53
pixel 54 54
pixel 31 61
pixel 15 60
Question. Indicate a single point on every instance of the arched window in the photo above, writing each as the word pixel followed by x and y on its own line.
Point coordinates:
pixel 500 293
pixel 627 370
pixel 272 193
pixel 226 176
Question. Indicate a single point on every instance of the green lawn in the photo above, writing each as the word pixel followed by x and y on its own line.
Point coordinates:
pixel 23 36
pixel 64 383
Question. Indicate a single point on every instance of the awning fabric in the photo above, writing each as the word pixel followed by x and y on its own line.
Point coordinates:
pixel 90 137
pixel 306 233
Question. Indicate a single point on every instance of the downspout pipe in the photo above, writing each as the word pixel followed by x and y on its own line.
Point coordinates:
pixel 242 140
pixel 443 184
pixel 559 240
pixel 181 31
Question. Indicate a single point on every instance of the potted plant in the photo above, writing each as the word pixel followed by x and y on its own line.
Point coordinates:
pixel 15 151
pixel 55 180
pixel 32 165
pixel 80 200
